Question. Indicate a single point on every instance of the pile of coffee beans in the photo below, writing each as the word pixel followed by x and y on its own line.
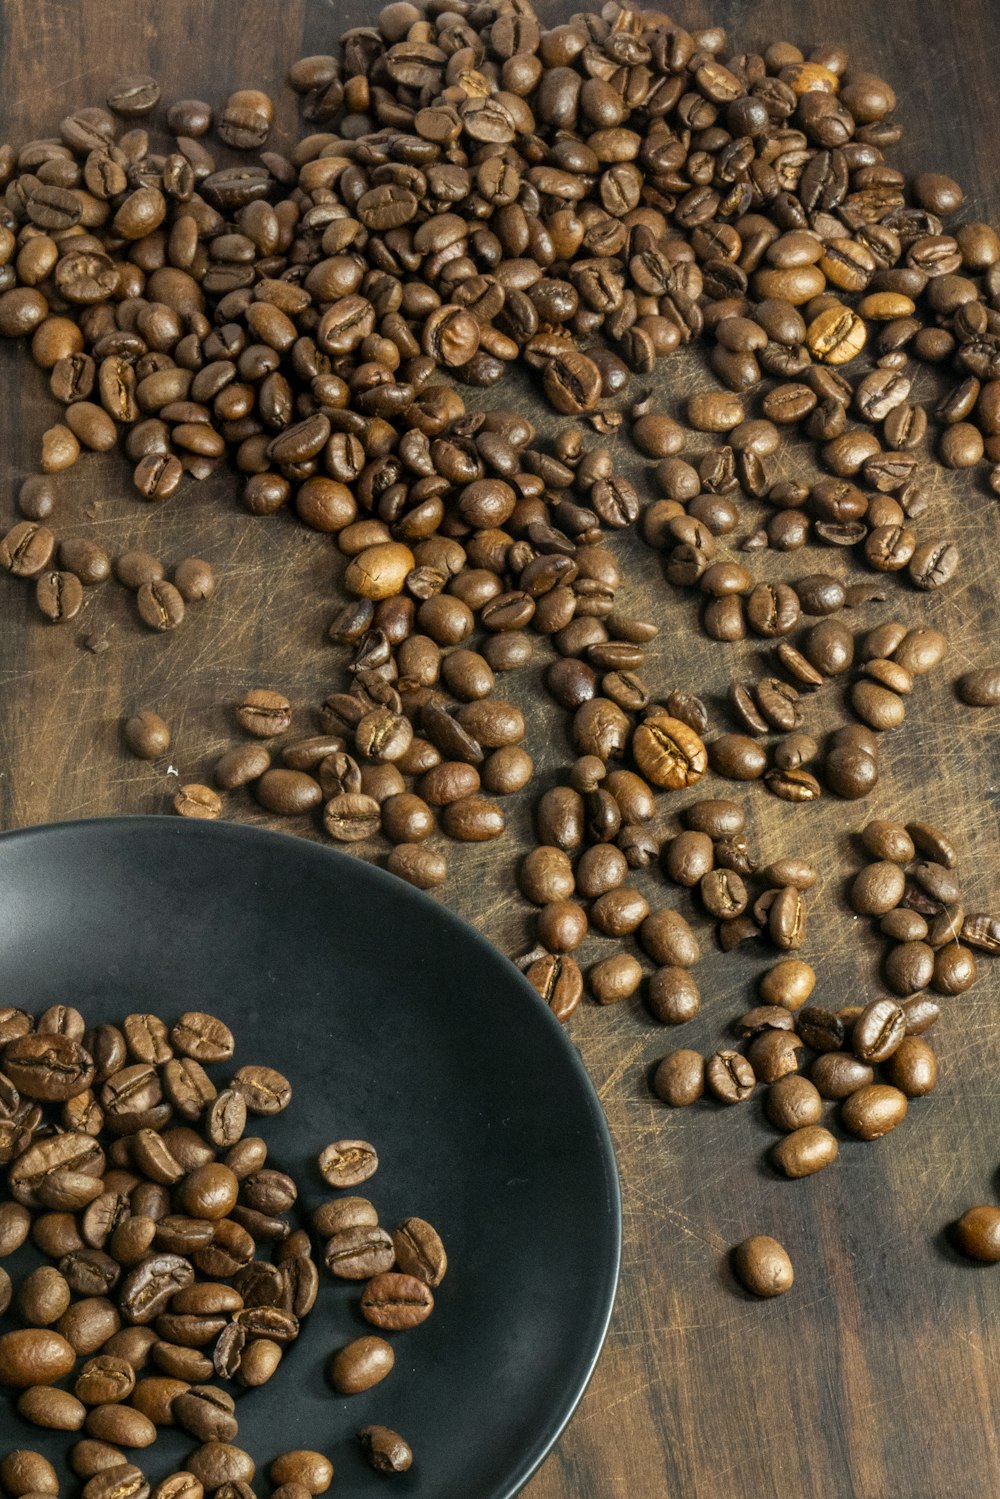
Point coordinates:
pixel 480 190
pixel 809 1057
pixel 172 1269
pixel 911 886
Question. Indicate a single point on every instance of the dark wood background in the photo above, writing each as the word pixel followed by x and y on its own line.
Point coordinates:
pixel 877 1375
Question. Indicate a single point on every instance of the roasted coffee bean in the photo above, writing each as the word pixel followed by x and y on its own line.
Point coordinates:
pixel 558 981
pixel 347 1163
pixel 395 1301
pixel 266 1091
pixel 361 1365
pixel 217 1463
pixel 822 1030
pixel 805 1151
pixel 878 1031
pixel 307 1470
pixel 147 735
pixel 679 1079
pixel 764 1018
pixel 723 893
pixel 51 1068
pixel 615 978
pixel 716 818
pixel 873 1111
pixel 878 888
pixel 668 753
pixel 23 1471
pixel 206 1412
pixel 909 967
pixel 729 1077
pixel 673 995
pixel 912 1068
pixel 688 857
pixel 160 605
pixel 34 1356
pixel 763 1266
pixel 793 1102
pixel 977 1234
pixel 264 713
pixel 385 1450
pixel 419 1251
pixel 359 1252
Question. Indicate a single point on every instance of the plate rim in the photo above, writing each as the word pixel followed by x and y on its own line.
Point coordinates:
pixel 210 829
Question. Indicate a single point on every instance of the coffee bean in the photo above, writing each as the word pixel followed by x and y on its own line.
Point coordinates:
pixel 680 1078
pixel 737 757
pixel 147 735
pixel 729 1077
pixel 347 1163
pixel 198 801
pixel 763 1266
pixel 395 1301
pixel 288 793
pixel 716 818
pixel 264 713
pixel 308 1470
pixel 792 1103
pixel 912 1068
pixel 23 1471
pixel 217 1463
pixel 34 1356
pixel 361 1365
pixel 385 1450
pixel 823 1030
pixel 615 978
pixel 358 1253
pixel 419 1251
pixel 805 1151
pixel 194 580
pixel 878 888
pixel 418 865
pixel 873 1111
pixel 160 605
pixel 668 753
pixel 878 1031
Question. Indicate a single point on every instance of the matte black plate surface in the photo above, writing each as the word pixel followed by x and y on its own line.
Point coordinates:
pixel 397 1023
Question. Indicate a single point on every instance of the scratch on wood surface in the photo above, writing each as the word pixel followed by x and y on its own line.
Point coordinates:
pixel 57 83
pixel 624 1065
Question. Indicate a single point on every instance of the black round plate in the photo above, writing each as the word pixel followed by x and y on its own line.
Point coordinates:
pixel 396 1023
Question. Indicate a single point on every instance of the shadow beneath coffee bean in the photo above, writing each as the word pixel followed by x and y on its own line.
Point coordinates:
pixel 946 1244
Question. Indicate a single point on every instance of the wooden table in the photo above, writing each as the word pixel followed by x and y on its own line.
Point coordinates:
pixel 876 1377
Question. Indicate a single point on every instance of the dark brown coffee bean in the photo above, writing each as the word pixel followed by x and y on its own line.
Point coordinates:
pixel 385 1450
pixel 873 1111
pixel 878 1031
pixel 763 1266
pixel 805 1151
pixel 792 1103
pixel 679 1079
pixel 419 1251
pixel 822 1030
pixel 729 1077
pixel 359 1252
pixel 361 1365
pixel 147 735
pixel 264 713
pixel 347 1163
pixel 558 981
pixel 716 818
pixel 977 1234
pixel 160 605
pixel 394 1302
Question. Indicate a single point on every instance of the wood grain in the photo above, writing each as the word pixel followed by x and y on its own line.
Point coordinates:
pixel 877 1375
